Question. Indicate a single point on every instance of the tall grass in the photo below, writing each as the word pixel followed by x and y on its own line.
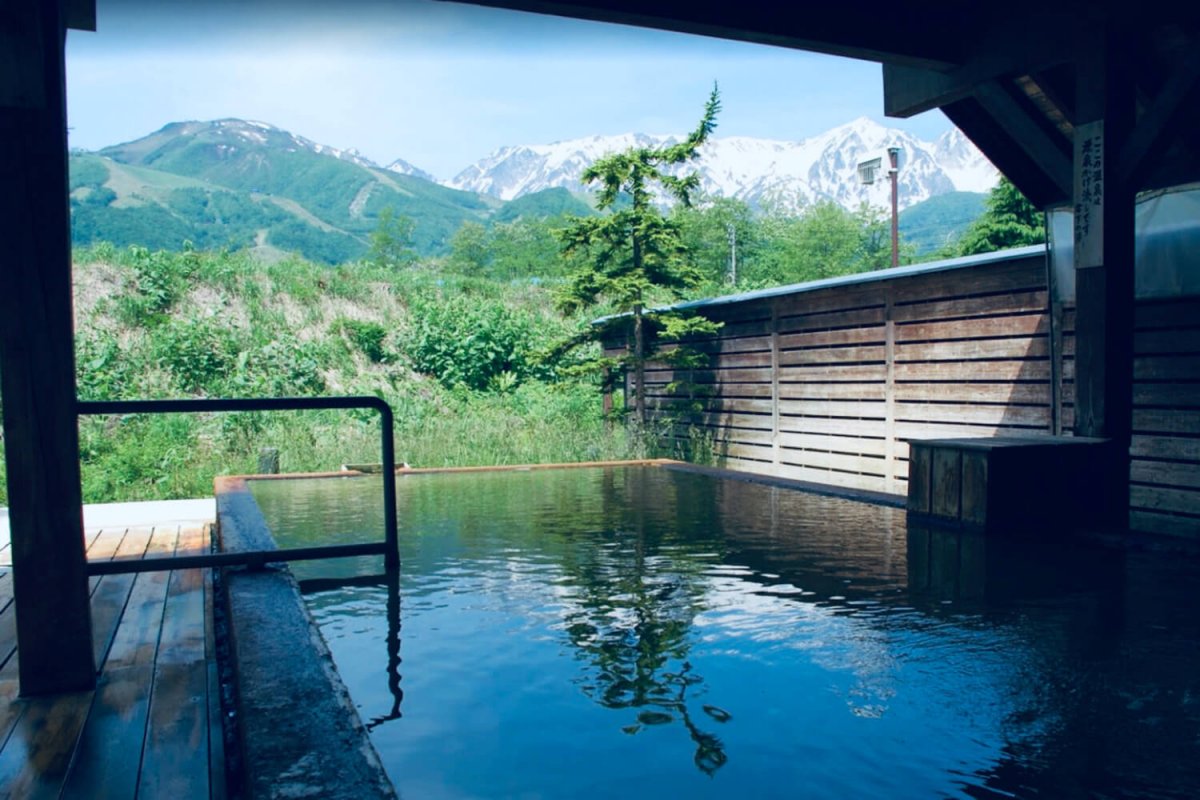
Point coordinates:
pixel 458 358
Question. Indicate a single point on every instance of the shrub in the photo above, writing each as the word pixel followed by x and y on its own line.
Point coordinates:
pixel 198 353
pixel 367 337
pixel 160 279
pixel 471 344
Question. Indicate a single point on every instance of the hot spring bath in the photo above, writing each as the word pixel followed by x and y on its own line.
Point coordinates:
pixel 655 632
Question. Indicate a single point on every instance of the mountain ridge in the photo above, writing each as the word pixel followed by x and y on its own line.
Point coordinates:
pixel 758 171
pixel 246 183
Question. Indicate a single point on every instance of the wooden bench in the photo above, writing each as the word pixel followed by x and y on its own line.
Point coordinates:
pixel 1008 482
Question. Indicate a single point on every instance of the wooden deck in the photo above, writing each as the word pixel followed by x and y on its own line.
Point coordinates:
pixel 151 728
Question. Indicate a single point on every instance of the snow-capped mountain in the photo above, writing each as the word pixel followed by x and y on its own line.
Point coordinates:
pixel 404 168
pixel 759 171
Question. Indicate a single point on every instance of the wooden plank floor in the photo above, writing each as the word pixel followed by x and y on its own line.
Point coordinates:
pixel 151 727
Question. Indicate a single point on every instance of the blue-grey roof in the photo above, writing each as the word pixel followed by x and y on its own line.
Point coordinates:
pixel 945 265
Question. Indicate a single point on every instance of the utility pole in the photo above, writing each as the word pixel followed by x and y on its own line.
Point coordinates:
pixel 731 229
pixel 894 176
pixel 867 172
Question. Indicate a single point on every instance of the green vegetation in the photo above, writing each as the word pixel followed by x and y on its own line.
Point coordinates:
pixel 634 255
pixel 1009 220
pixel 459 360
pixel 934 226
pixel 776 248
pixel 450 316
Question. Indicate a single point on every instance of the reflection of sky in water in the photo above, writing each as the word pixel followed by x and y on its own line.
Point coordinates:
pixel 733 646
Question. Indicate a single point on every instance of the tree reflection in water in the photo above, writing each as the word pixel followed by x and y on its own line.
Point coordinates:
pixel 632 609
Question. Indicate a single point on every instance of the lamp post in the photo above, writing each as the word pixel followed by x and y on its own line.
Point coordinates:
pixel 867 171
pixel 894 176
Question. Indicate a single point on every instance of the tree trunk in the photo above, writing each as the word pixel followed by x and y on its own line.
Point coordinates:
pixel 639 343
pixel 639 366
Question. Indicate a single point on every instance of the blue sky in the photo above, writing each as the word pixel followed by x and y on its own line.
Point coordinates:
pixel 441 84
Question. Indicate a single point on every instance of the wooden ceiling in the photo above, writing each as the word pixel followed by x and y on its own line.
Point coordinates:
pixel 1010 79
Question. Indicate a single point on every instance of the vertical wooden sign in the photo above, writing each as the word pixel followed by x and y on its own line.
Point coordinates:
pixel 1089 195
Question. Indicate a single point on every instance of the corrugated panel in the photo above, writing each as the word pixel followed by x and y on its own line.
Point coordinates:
pixel 1165 448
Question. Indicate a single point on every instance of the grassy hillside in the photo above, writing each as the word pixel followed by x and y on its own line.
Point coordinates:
pixel 345 194
pixel 456 358
pixel 128 205
pixel 237 184
pixel 546 203
pixel 939 221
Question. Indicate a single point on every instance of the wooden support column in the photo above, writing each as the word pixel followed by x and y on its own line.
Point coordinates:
pixel 37 363
pixel 776 449
pixel 1104 255
pixel 889 395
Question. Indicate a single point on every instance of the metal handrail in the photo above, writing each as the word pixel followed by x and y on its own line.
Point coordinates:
pixel 388 548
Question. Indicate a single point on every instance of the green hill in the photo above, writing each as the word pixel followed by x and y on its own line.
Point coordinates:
pixel 540 205
pixel 940 220
pixel 237 184
pixel 297 194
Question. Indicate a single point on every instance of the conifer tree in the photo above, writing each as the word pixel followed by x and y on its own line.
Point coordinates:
pixel 634 254
pixel 1009 220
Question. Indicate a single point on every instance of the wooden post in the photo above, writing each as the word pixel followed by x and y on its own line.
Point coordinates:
pixel 776 447
pixel 37 363
pixel 1104 256
pixel 268 461
pixel 889 394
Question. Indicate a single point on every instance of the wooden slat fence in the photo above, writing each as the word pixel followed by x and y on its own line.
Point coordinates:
pixel 1164 471
pixel 825 382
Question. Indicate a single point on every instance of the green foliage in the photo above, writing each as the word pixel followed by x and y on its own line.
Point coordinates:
pixel 934 226
pixel 367 337
pixel 546 204
pixel 822 242
pixel 635 255
pixel 198 353
pixel 328 247
pixel 236 327
pixel 508 251
pixel 624 256
pixel 470 249
pixel 1009 220
pixel 159 279
pixel 105 369
pixel 283 367
pixel 721 234
pixel 468 344
pixel 392 241
pixel 87 171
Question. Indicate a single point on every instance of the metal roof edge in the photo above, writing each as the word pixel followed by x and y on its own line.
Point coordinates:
pixel 945 265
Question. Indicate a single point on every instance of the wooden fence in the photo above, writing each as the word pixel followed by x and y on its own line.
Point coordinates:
pixel 1164 472
pixel 826 381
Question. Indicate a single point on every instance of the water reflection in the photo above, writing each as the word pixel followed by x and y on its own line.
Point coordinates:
pixel 563 632
pixel 389 584
pixel 630 616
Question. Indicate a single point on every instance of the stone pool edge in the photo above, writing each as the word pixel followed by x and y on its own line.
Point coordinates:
pixel 299 732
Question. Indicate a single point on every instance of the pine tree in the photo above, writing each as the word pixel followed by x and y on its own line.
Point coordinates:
pixel 634 254
pixel 1009 220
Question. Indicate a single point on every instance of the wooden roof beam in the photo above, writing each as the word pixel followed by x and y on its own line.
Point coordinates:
pixel 873 31
pixel 1161 125
pixel 908 90
pixel 1018 124
pixel 80 15
pixel 974 121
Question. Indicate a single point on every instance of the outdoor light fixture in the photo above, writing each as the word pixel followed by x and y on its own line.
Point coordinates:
pixel 867 172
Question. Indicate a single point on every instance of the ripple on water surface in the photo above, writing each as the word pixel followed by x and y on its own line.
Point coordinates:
pixel 646 632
